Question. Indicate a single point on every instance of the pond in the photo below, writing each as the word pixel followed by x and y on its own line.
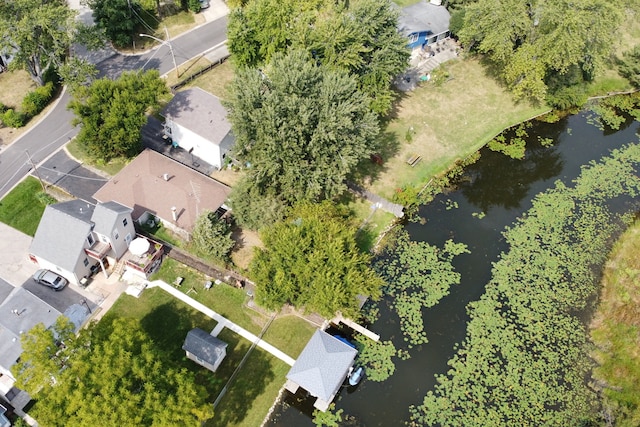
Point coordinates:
pixel 492 193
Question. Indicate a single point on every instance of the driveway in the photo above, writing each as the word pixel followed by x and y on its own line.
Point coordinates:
pixel 65 301
pixel 66 173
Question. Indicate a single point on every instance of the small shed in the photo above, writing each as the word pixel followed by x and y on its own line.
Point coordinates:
pixel 321 368
pixel 204 349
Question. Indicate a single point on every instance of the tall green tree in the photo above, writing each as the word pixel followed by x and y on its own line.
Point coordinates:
pixel 112 113
pixel 532 41
pixel 301 127
pixel 359 37
pixel 112 376
pixel 43 356
pixel 311 260
pixel 37 33
pixel 117 18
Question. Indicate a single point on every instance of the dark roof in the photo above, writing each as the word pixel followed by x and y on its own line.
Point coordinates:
pixel 204 346
pixel 323 365
pixel 200 112
pixel 62 233
pixel 423 16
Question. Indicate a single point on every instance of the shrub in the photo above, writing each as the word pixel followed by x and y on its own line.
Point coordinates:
pixel 34 102
pixel 212 236
pixel 13 119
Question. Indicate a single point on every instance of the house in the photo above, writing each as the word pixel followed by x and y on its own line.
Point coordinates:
pixel 75 238
pixel 4 421
pixel 159 188
pixel 20 311
pixel 424 23
pixel 196 121
pixel 204 349
pixel 321 368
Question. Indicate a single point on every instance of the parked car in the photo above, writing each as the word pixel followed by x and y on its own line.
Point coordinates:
pixel 204 4
pixel 50 279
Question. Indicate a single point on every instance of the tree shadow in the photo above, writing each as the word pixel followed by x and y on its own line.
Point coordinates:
pixel 498 180
pixel 168 325
pixel 250 382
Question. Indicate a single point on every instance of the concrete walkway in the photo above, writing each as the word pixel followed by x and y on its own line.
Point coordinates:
pixel 226 323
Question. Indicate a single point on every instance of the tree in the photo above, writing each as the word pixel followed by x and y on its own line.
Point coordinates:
pixel 117 18
pixel 212 236
pixel 112 113
pixel 37 32
pixel 530 42
pixel 42 357
pixel 254 207
pixel 630 66
pixel 112 376
pixel 300 126
pixel 359 37
pixel 311 260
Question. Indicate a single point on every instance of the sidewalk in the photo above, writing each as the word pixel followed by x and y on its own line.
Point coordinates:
pixel 15 266
pixel 223 322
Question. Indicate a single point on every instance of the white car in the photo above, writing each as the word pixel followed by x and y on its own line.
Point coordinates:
pixel 50 279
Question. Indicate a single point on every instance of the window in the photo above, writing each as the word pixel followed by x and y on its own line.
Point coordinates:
pixel 90 239
pixel 125 222
pixel 115 234
pixel 86 262
pixel 413 38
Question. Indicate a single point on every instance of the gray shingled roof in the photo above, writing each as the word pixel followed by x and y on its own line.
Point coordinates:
pixel 423 16
pixel 105 215
pixel 204 345
pixel 62 233
pixel 32 310
pixel 200 112
pixel 322 366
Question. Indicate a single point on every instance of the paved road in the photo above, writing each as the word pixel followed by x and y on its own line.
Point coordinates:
pixel 66 173
pixel 55 130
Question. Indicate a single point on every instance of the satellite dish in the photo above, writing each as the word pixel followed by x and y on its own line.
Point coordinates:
pixel 139 246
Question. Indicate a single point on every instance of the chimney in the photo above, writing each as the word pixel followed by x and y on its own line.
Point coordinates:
pixel 174 213
pixel 165 176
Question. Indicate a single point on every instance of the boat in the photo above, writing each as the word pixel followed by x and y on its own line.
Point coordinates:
pixel 355 376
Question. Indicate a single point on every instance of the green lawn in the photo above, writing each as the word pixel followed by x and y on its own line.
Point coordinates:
pixel 111 168
pixel 615 329
pixel 21 208
pixel 223 299
pixel 257 384
pixel 446 122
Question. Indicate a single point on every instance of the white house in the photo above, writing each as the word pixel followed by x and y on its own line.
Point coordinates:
pixel 196 121
pixel 75 237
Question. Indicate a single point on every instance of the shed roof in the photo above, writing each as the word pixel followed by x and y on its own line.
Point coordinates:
pixel 323 365
pixel 141 186
pixel 62 233
pixel 204 346
pixel 200 112
pixel 423 16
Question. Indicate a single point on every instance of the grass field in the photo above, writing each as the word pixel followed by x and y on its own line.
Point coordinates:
pixel 21 208
pixel 168 320
pixel 443 123
pixel 616 327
